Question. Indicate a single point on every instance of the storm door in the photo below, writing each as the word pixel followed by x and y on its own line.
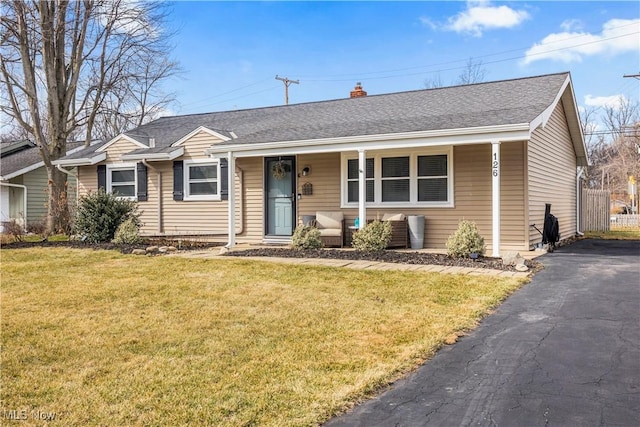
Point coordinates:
pixel 280 206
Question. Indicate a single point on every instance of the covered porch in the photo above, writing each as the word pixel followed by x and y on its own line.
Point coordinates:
pixel 476 174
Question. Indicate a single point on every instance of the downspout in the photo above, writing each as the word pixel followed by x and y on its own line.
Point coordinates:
pixel 159 174
pixel 24 188
pixel 578 201
pixel 75 175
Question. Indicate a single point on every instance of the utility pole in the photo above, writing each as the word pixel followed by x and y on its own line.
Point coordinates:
pixel 286 82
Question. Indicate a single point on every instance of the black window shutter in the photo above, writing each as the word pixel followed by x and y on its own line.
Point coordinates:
pixel 141 171
pixel 224 179
pixel 178 180
pixel 102 177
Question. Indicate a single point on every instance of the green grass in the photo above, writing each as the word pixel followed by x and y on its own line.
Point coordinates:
pixel 101 338
pixel 620 234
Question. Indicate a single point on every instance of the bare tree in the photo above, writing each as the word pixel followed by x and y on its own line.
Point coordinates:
pixel 62 63
pixel 473 72
pixel 613 149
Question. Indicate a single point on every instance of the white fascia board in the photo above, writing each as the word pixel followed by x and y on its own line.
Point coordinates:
pixel 87 161
pixel 155 157
pixel 122 136
pixel 35 166
pixel 544 117
pixel 24 170
pixel 507 133
pixel 198 130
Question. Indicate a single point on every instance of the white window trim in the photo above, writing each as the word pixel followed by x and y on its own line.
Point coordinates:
pixel 201 197
pixel 123 166
pixel 413 177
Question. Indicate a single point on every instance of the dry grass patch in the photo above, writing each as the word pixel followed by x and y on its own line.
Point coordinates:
pixel 101 338
pixel 619 234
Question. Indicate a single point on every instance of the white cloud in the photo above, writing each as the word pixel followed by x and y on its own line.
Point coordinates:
pixel 617 36
pixel 427 22
pixel 482 16
pixel 571 25
pixel 605 101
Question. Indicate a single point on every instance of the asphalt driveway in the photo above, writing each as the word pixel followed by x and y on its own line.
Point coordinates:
pixel 562 351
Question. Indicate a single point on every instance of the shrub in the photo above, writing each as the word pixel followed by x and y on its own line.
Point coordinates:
pixel 374 237
pixel 466 240
pixel 39 228
pixel 99 215
pixel 14 229
pixel 306 237
pixel 128 233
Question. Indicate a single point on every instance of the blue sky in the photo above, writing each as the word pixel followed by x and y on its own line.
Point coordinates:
pixel 232 51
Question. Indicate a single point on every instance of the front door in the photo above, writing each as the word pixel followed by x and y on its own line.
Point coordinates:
pixel 280 184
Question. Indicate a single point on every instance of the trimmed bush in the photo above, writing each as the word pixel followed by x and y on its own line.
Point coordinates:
pixel 306 237
pixel 100 214
pixel 374 237
pixel 466 240
pixel 128 233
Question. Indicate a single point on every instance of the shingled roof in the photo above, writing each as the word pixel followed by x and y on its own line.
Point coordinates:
pixel 517 101
pixel 18 162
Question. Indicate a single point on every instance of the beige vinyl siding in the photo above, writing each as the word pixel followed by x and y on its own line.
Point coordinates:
pixel 118 148
pixel 472 195
pixel 552 176
pixel 37 193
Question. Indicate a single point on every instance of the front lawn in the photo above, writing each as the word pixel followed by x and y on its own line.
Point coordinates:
pixel 615 234
pixel 101 338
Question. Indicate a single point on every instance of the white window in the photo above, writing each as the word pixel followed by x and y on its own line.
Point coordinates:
pixel 121 180
pixel 201 180
pixel 404 179
pixel 352 180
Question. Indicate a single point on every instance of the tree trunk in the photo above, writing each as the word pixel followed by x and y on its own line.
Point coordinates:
pixel 58 218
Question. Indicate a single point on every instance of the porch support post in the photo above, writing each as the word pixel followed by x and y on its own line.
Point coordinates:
pixel 231 199
pixel 495 196
pixel 362 187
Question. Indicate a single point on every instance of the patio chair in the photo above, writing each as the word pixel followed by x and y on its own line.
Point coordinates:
pixel 331 226
pixel 399 230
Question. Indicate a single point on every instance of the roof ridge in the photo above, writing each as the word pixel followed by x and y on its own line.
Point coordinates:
pixel 358 98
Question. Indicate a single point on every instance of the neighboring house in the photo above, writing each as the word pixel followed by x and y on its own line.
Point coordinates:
pixel 494 153
pixel 23 183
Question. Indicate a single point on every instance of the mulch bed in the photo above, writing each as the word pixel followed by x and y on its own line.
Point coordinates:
pixel 400 257
pixel 393 256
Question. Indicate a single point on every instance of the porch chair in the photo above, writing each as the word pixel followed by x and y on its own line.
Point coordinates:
pixel 331 226
pixel 399 230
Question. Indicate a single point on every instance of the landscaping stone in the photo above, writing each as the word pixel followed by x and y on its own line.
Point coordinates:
pixel 171 249
pixel 162 249
pixel 521 267
pixel 138 252
pixel 512 258
pixel 152 249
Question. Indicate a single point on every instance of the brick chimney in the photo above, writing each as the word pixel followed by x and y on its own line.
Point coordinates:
pixel 357 91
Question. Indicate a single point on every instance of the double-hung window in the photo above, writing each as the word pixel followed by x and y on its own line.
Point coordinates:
pixel 402 179
pixel 201 180
pixel 353 186
pixel 121 181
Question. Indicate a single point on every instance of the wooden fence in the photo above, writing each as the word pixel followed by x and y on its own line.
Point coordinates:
pixel 625 221
pixel 595 210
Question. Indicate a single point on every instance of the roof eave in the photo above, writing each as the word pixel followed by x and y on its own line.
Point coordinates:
pixel 155 157
pixel 86 161
pixel 511 132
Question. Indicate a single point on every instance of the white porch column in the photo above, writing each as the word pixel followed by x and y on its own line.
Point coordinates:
pixel 231 187
pixel 495 196
pixel 362 187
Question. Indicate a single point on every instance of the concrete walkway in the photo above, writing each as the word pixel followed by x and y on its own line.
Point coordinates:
pixel 361 265
pixel 562 351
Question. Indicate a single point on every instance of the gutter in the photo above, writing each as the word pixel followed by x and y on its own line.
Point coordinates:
pixel 24 188
pixel 160 218
pixel 578 201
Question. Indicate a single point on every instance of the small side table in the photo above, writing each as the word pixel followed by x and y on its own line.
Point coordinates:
pixel 349 234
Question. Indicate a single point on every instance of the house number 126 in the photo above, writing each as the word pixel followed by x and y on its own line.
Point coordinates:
pixel 494 165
